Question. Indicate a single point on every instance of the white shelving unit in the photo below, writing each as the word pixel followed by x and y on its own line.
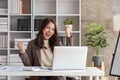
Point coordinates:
pixel 58 10
pixel 3 34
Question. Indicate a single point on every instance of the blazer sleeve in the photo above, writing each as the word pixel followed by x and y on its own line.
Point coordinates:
pixel 69 41
pixel 27 56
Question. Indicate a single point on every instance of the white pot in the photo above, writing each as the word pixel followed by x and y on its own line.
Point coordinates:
pixel 70 26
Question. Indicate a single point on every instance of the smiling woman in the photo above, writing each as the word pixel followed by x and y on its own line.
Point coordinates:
pixel 48 31
pixel 40 50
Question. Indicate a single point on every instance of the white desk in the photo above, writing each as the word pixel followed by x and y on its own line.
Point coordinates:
pixel 90 71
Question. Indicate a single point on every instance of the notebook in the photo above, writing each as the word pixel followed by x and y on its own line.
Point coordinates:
pixel 69 57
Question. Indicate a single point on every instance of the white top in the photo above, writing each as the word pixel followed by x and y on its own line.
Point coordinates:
pixel 46 55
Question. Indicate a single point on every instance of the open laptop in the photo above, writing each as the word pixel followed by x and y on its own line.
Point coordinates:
pixel 66 58
pixel 70 57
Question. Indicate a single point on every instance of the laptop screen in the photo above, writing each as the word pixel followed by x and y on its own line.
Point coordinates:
pixel 70 57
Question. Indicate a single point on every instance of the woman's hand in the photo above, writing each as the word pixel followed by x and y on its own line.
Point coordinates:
pixel 20 45
pixel 67 30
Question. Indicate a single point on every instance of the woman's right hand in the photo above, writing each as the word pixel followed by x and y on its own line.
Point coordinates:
pixel 20 45
pixel 67 31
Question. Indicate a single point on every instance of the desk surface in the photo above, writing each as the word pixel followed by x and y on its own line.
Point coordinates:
pixel 89 71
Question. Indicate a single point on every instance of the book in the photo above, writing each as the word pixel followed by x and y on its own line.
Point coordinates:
pixel 37 23
pixel 3 40
pixel 62 40
pixel 23 24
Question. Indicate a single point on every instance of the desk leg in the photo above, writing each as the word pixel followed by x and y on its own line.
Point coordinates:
pixel 90 78
pixel 97 78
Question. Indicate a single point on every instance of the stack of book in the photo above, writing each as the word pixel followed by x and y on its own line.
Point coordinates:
pixel 18 6
pixel 3 60
pixel 3 40
pixel 24 40
pixel 62 40
pixel 23 24
pixel 37 23
pixel 3 24
pixel 3 78
pixel 15 60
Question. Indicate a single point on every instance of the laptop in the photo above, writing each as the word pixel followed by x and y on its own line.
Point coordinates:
pixel 66 58
pixel 69 58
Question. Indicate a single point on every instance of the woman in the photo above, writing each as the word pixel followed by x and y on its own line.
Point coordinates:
pixel 40 50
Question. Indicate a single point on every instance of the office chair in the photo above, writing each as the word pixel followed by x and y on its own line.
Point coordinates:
pixel 67 78
pixel 70 78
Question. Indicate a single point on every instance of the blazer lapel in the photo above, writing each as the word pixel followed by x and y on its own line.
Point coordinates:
pixel 38 54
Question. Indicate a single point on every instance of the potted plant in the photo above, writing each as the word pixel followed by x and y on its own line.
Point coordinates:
pixel 68 22
pixel 96 38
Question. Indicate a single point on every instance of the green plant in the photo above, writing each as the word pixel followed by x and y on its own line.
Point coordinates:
pixel 68 21
pixel 96 36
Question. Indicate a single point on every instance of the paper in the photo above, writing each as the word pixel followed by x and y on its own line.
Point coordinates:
pixel 31 69
pixel 19 68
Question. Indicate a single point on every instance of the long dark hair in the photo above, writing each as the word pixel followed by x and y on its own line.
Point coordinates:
pixel 39 38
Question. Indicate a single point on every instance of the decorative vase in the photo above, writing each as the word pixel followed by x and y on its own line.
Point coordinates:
pixel 98 59
pixel 70 26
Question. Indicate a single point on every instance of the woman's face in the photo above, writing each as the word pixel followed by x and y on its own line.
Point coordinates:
pixel 48 31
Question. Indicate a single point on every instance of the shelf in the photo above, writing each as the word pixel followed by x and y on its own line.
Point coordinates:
pixel 68 14
pixel 14 36
pixel 14 49
pixel 20 7
pixel 75 37
pixel 20 14
pixel 3 48
pixel 3 32
pixel 3 52
pixel 3 14
pixel 61 32
pixel 44 7
pixel 14 25
pixel 20 32
pixel 69 6
pixel 3 7
pixel 44 14
pixel 71 32
pixel 61 25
